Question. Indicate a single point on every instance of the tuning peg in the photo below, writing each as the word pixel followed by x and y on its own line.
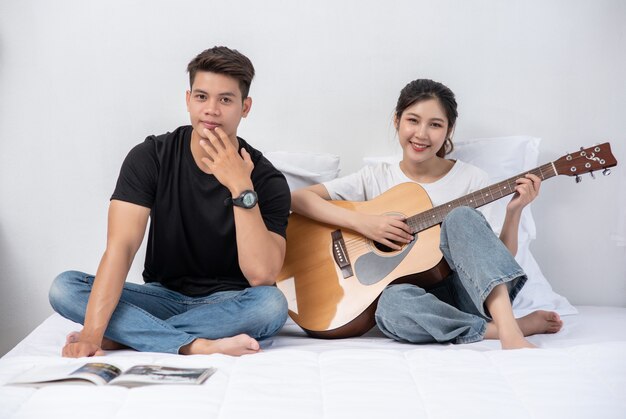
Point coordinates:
pixel 606 172
pixel 578 179
pixel 592 175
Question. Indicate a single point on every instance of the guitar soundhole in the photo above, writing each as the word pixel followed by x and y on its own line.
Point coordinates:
pixel 385 249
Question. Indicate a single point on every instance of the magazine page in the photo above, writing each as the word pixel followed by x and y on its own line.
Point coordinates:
pixel 156 374
pixel 92 373
pixel 97 372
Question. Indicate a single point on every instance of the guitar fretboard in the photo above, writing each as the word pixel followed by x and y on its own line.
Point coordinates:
pixel 476 199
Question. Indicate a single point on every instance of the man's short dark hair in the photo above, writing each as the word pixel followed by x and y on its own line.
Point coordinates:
pixel 223 60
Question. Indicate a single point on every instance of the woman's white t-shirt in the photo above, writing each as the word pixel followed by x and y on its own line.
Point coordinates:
pixel 371 181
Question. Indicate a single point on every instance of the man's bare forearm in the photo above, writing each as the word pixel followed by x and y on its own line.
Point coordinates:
pixel 105 294
pixel 126 227
pixel 261 252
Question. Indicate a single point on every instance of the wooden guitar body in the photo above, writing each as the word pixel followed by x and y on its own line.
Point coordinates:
pixel 324 299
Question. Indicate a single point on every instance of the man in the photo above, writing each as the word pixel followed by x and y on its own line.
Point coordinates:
pixel 218 215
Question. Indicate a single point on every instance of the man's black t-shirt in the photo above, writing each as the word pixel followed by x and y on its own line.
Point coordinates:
pixel 191 243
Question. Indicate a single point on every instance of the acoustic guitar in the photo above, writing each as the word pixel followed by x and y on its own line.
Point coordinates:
pixel 332 277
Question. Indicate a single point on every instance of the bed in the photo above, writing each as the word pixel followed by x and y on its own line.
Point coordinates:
pixel 580 372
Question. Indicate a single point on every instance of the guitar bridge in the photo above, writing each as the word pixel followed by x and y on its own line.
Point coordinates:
pixel 340 254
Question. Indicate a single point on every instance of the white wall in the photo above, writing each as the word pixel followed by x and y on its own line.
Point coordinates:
pixel 81 82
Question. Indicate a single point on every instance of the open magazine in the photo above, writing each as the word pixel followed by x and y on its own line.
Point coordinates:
pixel 100 374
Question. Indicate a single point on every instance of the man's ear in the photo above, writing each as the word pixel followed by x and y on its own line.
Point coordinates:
pixel 247 104
pixel 187 98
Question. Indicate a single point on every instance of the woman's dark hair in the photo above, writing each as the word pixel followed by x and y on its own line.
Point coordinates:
pixel 223 60
pixel 424 89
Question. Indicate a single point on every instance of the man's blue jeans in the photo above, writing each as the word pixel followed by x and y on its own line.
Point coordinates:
pixel 150 317
pixel 454 311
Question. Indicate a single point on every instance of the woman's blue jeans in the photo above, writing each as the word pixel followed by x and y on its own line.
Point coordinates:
pixel 150 317
pixel 453 311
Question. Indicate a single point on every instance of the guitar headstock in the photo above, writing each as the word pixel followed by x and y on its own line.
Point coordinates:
pixel 586 160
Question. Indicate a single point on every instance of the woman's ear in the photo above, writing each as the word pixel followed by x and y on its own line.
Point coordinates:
pixel 451 132
pixel 396 122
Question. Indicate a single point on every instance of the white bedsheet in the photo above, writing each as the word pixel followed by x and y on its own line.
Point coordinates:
pixel 579 373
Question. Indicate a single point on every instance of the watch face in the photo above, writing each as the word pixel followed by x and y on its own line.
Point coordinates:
pixel 249 199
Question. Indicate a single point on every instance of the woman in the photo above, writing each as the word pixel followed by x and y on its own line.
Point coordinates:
pixel 474 302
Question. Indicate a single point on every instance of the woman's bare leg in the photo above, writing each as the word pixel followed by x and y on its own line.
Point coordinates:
pixel 507 328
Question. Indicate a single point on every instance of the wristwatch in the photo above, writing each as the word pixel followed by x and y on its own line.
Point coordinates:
pixel 247 199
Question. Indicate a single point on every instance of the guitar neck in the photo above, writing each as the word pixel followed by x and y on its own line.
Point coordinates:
pixel 476 199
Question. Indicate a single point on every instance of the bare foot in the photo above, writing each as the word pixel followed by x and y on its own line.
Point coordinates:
pixel 111 345
pixel 514 341
pixel 236 346
pixel 107 344
pixel 537 322
pixel 540 321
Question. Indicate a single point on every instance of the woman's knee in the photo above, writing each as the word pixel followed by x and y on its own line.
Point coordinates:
pixel 462 215
pixel 463 224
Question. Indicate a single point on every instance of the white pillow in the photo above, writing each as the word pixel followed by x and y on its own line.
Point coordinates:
pixel 501 158
pixel 304 169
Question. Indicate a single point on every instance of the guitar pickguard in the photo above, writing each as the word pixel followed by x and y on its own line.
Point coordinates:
pixel 371 267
